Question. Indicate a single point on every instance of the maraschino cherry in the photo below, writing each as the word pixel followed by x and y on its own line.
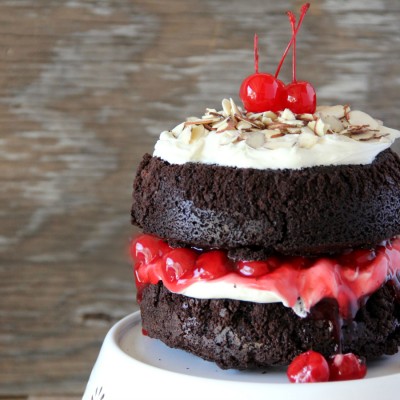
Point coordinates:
pixel 344 367
pixel 301 97
pixel 308 367
pixel 262 91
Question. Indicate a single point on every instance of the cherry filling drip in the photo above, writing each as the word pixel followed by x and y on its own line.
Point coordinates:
pixel 348 279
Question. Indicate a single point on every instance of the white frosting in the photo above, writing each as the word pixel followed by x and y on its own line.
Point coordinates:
pixel 255 148
pixel 229 289
pixel 331 149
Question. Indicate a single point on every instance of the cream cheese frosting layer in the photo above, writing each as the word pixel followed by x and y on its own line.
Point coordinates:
pixel 332 136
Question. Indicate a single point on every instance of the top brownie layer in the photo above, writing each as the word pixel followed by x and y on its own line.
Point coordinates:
pixel 254 213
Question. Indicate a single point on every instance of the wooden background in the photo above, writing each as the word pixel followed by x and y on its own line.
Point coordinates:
pixel 85 88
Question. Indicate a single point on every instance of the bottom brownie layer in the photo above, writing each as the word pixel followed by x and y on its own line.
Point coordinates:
pixel 243 335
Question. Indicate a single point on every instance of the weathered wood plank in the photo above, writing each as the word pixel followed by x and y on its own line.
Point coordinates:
pixel 85 87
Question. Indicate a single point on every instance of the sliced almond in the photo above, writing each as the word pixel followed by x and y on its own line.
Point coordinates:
pixel 213 116
pixel 270 114
pixel 280 125
pixel 307 139
pixel 334 123
pixel 357 117
pixel 223 126
pixel 266 120
pixel 227 124
pixel 318 127
pixel 228 137
pixel 234 108
pixel 178 129
pixel 287 115
pixel 226 106
pixel 256 140
pixel 294 130
pixel 242 125
pixel 346 111
pixel 338 111
pixel 198 131
pixel 185 136
pixel 306 117
pixel 254 123
pixel 271 133
pixel 201 122
pixel 364 136
pixel 217 125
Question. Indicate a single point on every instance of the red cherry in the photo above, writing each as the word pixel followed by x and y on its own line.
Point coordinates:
pixel 253 269
pixel 308 367
pixel 179 262
pixel 344 367
pixel 301 97
pixel 145 248
pixel 212 265
pixel 261 91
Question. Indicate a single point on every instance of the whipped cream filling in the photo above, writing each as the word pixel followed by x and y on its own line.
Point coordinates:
pixel 332 136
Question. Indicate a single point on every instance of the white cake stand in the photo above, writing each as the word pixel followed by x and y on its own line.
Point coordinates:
pixel 133 366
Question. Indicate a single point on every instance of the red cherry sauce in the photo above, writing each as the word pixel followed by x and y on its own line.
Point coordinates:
pixel 347 279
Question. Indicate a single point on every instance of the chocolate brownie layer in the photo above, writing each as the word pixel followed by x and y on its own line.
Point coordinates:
pixel 243 335
pixel 253 213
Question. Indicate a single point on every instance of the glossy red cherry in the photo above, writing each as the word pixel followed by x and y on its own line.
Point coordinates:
pixel 261 91
pixel 178 263
pixel 212 265
pixel 145 248
pixel 253 269
pixel 308 367
pixel 301 97
pixel 344 367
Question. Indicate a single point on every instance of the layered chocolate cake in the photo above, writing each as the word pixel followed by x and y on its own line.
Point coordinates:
pixel 270 234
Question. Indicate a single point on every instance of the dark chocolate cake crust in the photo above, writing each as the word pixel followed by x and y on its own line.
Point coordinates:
pixel 253 213
pixel 243 335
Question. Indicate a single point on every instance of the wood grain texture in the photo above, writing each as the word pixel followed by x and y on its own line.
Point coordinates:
pixel 85 87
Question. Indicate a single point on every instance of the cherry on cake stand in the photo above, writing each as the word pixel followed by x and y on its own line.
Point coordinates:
pixel 133 366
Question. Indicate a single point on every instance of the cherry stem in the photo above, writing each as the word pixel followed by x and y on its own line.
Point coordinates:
pixel 292 19
pixel 303 11
pixel 256 53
